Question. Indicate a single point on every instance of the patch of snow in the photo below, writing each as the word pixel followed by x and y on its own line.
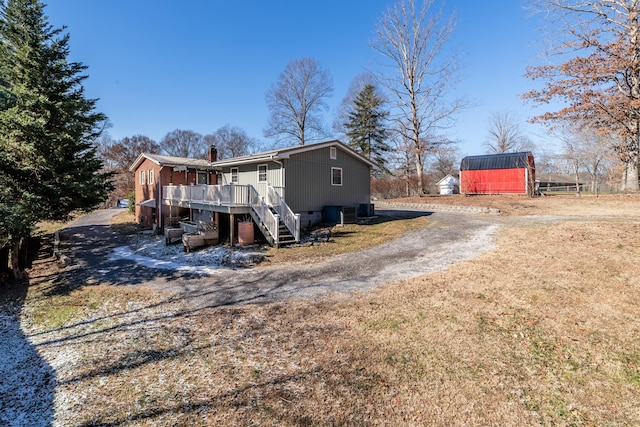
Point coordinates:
pixel 27 383
pixel 153 252
pixel 127 253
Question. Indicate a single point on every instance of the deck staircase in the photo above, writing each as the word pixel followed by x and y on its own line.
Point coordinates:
pixel 277 222
pixel 282 237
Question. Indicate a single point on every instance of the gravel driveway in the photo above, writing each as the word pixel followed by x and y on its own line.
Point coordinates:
pixel 450 238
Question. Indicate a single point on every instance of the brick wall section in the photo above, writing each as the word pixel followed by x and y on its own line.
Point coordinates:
pixel 146 190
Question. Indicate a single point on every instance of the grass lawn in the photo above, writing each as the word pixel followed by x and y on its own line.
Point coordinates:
pixel 543 329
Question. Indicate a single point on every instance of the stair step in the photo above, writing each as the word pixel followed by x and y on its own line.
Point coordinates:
pixel 286 242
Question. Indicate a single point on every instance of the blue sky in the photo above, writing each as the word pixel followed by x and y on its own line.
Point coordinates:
pixel 163 65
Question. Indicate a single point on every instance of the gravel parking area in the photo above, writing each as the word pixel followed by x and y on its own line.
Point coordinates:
pixel 101 256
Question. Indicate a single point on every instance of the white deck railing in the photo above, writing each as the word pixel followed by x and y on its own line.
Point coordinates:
pixel 290 219
pixel 268 218
pixel 220 195
pixel 238 195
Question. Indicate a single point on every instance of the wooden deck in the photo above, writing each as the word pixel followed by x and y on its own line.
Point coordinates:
pixel 230 199
pixel 270 213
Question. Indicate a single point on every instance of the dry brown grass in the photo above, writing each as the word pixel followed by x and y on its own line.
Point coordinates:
pixel 48 228
pixel 585 205
pixel 347 238
pixel 125 223
pixel 542 330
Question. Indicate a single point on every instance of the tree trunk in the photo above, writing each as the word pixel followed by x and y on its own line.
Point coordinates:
pixel 14 260
pixel 575 171
pixel 630 180
pixel 419 171
pixel 23 259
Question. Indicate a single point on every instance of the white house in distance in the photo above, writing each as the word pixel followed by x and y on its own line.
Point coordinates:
pixel 448 185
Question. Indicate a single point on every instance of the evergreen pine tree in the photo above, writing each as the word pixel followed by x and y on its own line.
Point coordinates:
pixel 47 126
pixel 366 126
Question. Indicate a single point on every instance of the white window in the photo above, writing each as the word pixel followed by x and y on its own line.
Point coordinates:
pixel 234 175
pixel 336 176
pixel 201 177
pixel 333 153
pixel 151 177
pixel 143 177
pixel 262 173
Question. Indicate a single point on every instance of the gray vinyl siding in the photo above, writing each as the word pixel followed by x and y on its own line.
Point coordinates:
pixel 308 180
pixel 248 174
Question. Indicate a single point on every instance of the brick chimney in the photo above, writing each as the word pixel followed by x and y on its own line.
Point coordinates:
pixel 213 153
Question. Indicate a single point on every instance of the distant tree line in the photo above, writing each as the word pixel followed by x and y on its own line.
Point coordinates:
pixel 594 70
pixel 399 115
pixel 119 155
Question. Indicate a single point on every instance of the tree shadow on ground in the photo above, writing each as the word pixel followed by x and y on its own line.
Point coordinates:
pixel 396 215
pixel 92 246
pixel 255 396
pixel 91 262
pixel 27 382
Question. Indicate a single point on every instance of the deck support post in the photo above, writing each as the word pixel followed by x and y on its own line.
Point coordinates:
pixel 231 223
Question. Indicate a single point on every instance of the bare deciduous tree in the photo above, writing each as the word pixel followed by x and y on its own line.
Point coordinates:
pixel 546 163
pixel 418 74
pixel 598 157
pixel 571 137
pixel 296 101
pixel 231 141
pixel 119 156
pixel 184 143
pixel 404 161
pixel 600 82
pixel 445 162
pixel 585 150
pixel 505 135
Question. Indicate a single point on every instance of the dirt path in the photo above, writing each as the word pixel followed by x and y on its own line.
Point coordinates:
pixel 449 238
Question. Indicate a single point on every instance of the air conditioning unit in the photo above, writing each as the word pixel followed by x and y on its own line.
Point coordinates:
pixel 348 215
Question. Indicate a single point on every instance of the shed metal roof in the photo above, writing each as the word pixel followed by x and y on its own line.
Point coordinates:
pixel 496 161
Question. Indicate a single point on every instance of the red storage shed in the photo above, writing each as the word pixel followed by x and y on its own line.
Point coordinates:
pixel 508 173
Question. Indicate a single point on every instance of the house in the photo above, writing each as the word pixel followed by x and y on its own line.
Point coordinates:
pixel 308 177
pixel 507 173
pixel 153 171
pixel 280 190
pixel 448 185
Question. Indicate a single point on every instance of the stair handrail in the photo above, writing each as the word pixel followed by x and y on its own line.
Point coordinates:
pixel 290 219
pixel 260 207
